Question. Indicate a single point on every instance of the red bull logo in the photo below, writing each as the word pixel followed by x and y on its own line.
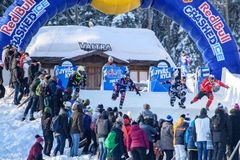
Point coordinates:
pixel 217 23
pixel 16 16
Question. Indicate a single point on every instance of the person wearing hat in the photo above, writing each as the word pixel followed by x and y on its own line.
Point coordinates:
pixel 184 63
pixel 74 84
pixel 121 86
pixel 206 89
pixel 201 133
pixel 33 69
pixel 26 64
pixel 109 62
pixel 235 129
pixel 221 132
pixel 166 139
pixel 36 149
pixel 180 142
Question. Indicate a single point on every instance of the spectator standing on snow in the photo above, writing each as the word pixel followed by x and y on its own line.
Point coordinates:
pixel 87 128
pixel 33 69
pixel 166 139
pixel 235 121
pixel 1 69
pixel 103 127
pixel 58 98
pixel 201 132
pixel 76 128
pixel 47 132
pixel 34 97
pixel 190 142
pixel 146 116
pixel 17 80
pixel 180 139
pixel 137 143
pixel 26 64
pixel 221 132
pixel 36 150
pixel 63 133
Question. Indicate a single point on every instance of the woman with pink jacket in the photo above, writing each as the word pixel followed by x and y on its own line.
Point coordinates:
pixel 137 143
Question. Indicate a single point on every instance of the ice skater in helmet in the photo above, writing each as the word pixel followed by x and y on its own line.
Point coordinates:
pixel 206 89
pixel 121 86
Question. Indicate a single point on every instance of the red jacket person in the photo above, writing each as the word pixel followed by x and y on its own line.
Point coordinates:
pixel 206 89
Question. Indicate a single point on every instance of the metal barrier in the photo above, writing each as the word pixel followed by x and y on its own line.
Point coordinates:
pixel 235 150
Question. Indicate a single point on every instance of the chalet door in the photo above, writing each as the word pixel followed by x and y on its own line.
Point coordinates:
pixel 94 77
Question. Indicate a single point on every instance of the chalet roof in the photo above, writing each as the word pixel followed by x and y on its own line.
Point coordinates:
pixel 124 44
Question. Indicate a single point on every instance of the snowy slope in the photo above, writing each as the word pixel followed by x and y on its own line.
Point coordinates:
pixel 17 137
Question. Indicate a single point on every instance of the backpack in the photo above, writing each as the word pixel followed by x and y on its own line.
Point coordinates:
pixel 215 125
pixel 109 142
pixel 56 124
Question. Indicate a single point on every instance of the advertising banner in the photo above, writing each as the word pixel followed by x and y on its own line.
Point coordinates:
pixel 111 75
pixel 158 75
pixel 64 72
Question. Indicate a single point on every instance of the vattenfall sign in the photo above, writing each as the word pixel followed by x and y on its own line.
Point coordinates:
pixel 94 46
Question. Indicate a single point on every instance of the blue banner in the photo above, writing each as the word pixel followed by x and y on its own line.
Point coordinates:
pixel 202 73
pixel 158 75
pixel 64 72
pixel 111 75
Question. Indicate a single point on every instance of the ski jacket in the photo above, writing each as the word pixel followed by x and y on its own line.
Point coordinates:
pixel 207 86
pixel 202 129
pixel 189 137
pixel 76 121
pixel 180 121
pixel 235 121
pixel 103 127
pixel 121 85
pixel 36 152
pixel 166 140
pixel 180 133
pixel 223 135
pixel 137 137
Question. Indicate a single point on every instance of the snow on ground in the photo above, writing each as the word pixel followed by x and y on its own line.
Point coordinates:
pixel 17 137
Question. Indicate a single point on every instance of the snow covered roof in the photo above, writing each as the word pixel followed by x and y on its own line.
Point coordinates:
pixel 122 43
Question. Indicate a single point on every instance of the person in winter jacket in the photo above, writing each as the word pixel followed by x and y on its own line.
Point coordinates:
pixel 103 127
pixel 121 86
pixel 58 98
pixel 34 97
pixel 76 128
pixel 151 133
pixel 235 129
pixel 180 139
pixel 36 150
pixel 63 133
pixel 17 80
pixel 119 150
pixel 166 139
pixel 1 69
pixel 190 142
pixel 146 116
pixel 206 89
pixel 178 89
pixel 176 124
pixel 137 142
pixel 50 93
pixel 184 63
pixel 87 129
pixel 47 132
pixel 74 83
pixel 26 64
pixel 221 132
pixel 42 92
pixel 33 70
pixel 201 132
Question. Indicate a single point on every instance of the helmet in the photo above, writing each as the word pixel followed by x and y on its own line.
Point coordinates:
pixel 211 78
pixel 127 75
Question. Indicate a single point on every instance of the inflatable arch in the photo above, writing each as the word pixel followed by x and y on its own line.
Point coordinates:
pixel 199 18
